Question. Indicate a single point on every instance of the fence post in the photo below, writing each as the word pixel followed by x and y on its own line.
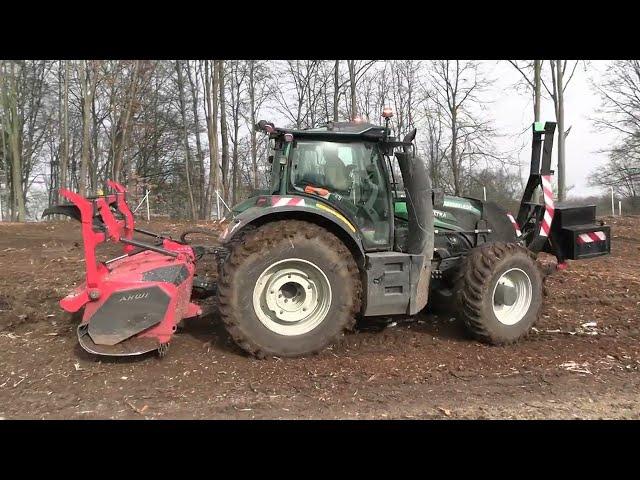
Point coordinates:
pixel 613 208
pixel 148 191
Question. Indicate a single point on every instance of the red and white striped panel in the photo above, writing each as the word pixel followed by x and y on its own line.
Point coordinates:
pixel 591 237
pixel 277 201
pixel 515 225
pixel 547 191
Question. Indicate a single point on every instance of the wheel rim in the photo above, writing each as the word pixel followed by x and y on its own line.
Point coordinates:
pixel 512 296
pixel 292 297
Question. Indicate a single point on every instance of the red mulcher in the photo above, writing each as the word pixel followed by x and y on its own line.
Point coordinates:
pixel 132 303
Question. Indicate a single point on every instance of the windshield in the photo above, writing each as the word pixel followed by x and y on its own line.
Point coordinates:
pixel 348 175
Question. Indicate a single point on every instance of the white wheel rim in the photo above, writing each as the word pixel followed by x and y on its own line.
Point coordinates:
pixel 513 285
pixel 292 297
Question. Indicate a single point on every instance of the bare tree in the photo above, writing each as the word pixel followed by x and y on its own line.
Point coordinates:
pixel 211 83
pixel 293 84
pixel 455 85
pixel 86 91
pixel 357 68
pixel 237 75
pixel 531 72
pixel 619 93
pixel 123 118
pixel 64 124
pixel 404 85
pixel 224 133
pixel 621 173
pixel 12 126
pixel 559 84
pixel 258 92
pixel 197 175
pixel 619 112
pixel 336 89
pixel 187 148
pixel 434 148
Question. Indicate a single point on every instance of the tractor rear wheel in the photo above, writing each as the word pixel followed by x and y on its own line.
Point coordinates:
pixel 499 292
pixel 288 288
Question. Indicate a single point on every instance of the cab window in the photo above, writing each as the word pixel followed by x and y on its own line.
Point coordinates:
pixel 349 176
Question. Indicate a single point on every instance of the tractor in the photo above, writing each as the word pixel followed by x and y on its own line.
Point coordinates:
pixel 348 228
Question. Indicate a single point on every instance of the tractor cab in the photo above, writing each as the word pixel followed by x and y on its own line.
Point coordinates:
pixel 347 166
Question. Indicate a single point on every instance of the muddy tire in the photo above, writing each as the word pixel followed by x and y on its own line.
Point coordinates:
pixel 499 292
pixel 288 288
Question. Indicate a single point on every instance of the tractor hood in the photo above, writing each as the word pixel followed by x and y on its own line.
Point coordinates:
pixel 456 213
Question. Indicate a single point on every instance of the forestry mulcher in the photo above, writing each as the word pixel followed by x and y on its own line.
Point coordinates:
pixel 349 227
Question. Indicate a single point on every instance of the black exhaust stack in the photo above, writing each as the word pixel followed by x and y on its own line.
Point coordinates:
pixel 420 240
pixel 417 185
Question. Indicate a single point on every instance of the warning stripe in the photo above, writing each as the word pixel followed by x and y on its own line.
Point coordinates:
pixel 590 237
pixel 277 201
pixel 547 191
pixel 515 225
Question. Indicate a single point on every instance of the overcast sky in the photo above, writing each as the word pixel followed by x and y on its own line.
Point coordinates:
pixel 513 112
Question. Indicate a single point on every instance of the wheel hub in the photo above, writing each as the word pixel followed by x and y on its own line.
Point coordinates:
pixel 286 295
pixel 512 296
pixel 292 297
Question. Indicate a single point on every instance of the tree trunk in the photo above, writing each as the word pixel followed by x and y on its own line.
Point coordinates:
pixel 185 139
pixel 352 82
pixel 235 174
pixel 64 132
pixel 95 159
pixel 536 90
pixel 336 86
pixel 123 126
pixel 86 139
pixel 5 156
pixel 254 142
pixel 224 133
pixel 561 151
pixel 199 153
pixel 13 128
pixel 211 85
pixel 454 160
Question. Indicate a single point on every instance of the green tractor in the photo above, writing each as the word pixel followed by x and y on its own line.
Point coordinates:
pixel 350 226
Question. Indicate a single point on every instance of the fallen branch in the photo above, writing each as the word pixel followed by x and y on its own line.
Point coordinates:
pixel 136 409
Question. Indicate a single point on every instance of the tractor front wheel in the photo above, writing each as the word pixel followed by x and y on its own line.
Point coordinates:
pixel 288 288
pixel 500 292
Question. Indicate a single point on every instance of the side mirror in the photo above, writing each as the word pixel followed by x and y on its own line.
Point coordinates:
pixel 409 137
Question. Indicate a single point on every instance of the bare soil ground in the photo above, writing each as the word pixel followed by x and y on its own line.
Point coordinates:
pixel 581 361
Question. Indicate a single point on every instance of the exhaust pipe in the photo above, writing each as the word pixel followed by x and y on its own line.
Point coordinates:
pixel 417 185
pixel 420 239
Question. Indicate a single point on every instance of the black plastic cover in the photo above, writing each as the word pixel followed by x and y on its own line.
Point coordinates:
pixel 127 313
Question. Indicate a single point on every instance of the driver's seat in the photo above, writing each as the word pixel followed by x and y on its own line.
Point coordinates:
pixel 335 173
